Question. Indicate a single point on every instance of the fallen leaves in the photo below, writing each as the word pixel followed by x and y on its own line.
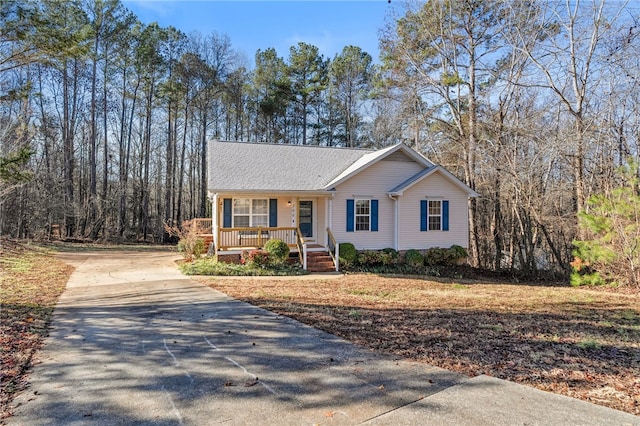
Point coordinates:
pixel 32 281
pixel 247 384
pixel 578 342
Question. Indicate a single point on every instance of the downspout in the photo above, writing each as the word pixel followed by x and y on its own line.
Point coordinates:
pixel 395 220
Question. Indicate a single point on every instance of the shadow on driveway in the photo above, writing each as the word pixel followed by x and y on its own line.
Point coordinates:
pixel 136 342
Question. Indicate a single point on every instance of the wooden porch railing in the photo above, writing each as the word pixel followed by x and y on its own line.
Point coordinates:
pixel 334 249
pixel 254 237
pixel 203 226
pixel 302 248
pixel 241 238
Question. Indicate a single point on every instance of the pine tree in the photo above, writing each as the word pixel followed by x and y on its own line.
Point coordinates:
pixel 611 251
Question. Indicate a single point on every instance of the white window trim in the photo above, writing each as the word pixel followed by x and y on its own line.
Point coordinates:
pixel 356 215
pixel 429 215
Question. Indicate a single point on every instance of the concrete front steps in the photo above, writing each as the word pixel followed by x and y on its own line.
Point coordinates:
pixel 320 261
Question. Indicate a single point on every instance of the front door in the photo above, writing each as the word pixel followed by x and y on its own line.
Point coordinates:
pixel 305 218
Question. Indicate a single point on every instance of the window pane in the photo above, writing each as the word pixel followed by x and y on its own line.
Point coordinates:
pixel 260 220
pixel 362 223
pixel 240 206
pixel 434 223
pixel 260 207
pixel 362 207
pixel 434 208
pixel 241 221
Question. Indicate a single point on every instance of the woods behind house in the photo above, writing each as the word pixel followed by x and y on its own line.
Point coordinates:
pixel 104 121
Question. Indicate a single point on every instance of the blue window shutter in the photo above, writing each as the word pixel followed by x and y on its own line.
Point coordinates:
pixel 226 213
pixel 273 213
pixel 445 215
pixel 374 215
pixel 350 215
pixel 423 215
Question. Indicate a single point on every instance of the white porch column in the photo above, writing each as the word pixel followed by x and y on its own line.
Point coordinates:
pixel 327 221
pixel 215 226
pixel 330 213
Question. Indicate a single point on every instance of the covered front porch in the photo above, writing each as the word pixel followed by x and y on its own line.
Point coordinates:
pixel 247 221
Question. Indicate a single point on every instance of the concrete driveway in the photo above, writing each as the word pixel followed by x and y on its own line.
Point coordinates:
pixel 135 342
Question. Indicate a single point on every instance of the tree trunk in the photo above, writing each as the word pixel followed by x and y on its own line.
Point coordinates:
pixel 203 168
pixel 67 140
pixel 92 145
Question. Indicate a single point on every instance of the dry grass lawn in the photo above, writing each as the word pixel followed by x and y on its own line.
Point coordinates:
pixel 584 343
pixel 31 281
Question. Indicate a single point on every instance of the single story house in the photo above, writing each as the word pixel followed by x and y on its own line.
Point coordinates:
pixel 320 196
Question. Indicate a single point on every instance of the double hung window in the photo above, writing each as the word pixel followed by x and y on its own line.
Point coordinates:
pixel 363 215
pixel 250 212
pixel 435 215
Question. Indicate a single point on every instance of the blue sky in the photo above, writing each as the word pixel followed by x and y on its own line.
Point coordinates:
pixel 252 25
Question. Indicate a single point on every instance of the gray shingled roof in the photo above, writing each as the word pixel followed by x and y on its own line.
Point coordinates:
pixel 407 183
pixel 398 190
pixel 240 166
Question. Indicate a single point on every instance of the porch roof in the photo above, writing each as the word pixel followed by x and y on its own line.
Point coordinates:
pixel 246 167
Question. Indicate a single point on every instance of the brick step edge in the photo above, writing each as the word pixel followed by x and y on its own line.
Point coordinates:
pixel 319 262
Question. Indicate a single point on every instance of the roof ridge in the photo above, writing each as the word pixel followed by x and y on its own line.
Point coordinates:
pixel 297 145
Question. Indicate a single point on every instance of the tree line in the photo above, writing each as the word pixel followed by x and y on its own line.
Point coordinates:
pixel 104 121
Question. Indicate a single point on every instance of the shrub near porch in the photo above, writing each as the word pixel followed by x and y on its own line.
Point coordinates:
pixel 390 261
pixel 270 261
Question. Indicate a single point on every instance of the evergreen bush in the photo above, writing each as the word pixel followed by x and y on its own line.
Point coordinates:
pixel 458 254
pixel 436 256
pixel 390 257
pixel 610 251
pixel 278 249
pixel 348 253
pixel 413 258
pixel 371 258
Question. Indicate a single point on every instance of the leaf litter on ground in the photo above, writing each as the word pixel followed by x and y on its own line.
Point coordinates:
pixel 579 342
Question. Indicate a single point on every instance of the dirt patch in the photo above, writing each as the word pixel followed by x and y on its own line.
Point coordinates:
pixel 572 341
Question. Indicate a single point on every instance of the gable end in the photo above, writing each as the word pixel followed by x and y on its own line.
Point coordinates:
pixel 399 156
